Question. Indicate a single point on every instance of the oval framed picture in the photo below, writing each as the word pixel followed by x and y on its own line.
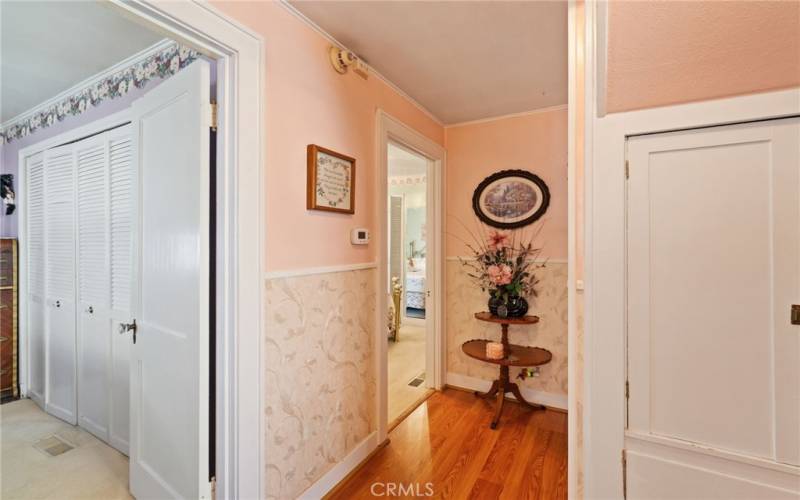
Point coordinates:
pixel 510 199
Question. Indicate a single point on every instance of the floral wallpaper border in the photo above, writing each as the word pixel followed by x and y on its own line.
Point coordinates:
pixel 161 64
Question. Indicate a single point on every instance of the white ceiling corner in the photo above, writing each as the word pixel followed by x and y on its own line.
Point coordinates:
pixel 462 61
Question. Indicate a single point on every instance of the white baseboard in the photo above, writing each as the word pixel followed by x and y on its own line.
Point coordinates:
pixel 62 413
pixel 476 384
pixel 340 471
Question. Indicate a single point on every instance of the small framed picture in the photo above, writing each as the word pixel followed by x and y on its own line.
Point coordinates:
pixel 510 199
pixel 331 182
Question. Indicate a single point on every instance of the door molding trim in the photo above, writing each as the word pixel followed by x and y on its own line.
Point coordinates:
pixel 605 279
pixel 390 129
pixel 240 58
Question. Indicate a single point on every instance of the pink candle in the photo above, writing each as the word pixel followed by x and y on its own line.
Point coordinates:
pixel 494 350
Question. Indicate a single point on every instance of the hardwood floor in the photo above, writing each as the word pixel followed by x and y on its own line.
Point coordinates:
pixel 446 446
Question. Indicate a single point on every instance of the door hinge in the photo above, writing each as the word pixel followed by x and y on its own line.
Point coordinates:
pixel 627 390
pixel 627 170
pixel 214 115
pixel 624 475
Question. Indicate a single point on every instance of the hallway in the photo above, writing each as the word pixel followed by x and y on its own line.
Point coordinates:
pixel 446 442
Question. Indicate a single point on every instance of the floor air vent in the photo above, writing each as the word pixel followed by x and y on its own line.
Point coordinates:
pixel 53 446
pixel 417 380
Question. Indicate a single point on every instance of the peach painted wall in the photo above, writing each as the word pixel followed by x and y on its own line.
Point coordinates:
pixel 666 52
pixel 308 102
pixel 537 142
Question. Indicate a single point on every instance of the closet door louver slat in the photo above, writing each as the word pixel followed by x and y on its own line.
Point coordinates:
pixel 92 226
pixel 121 219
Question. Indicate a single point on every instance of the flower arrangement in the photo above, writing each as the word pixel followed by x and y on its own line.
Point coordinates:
pixel 504 267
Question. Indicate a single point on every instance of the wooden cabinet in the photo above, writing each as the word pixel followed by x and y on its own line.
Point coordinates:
pixel 9 384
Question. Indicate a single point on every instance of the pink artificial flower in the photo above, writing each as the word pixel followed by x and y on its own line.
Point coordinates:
pixel 499 275
pixel 498 240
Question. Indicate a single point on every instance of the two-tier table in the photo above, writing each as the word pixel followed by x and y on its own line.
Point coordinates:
pixel 514 355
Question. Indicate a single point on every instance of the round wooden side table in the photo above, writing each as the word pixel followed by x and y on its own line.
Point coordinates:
pixel 514 355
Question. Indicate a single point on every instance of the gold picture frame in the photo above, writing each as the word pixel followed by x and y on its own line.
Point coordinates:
pixel 331 181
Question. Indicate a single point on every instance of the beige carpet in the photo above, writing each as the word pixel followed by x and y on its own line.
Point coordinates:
pixel 406 362
pixel 91 470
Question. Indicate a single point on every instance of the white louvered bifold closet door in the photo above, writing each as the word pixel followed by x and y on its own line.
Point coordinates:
pixel 121 230
pixel 104 214
pixel 94 327
pixel 59 208
pixel 35 248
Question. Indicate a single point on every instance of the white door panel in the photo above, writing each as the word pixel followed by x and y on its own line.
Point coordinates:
pixel 713 267
pixel 170 358
pixel 59 172
pixel 121 227
pixel 654 477
pixel 93 285
pixel 35 268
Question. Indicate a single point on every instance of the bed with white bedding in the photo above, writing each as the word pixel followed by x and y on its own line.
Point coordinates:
pixel 415 285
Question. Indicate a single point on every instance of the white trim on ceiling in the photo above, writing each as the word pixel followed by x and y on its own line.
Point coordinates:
pixel 290 8
pixel 548 109
pixel 89 82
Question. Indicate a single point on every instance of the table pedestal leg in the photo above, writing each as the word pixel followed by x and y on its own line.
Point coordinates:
pixel 501 393
pixel 499 389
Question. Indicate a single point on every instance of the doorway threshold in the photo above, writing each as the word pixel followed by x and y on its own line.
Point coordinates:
pixel 394 423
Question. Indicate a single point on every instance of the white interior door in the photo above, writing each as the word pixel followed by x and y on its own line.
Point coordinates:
pixel 59 206
pixel 35 252
pixel 713 269
pixel 170 354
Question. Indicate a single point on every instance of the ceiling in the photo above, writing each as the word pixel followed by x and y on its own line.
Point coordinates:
pixel 46 47
pixel 461 60
pixel 403 163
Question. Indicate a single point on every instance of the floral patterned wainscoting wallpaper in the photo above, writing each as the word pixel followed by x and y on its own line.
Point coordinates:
pixel 320 374
pixel 162 63
pixel 464 299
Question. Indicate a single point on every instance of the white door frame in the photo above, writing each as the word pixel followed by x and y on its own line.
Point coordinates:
pixel 605 265
pixel 239 53
pixel 390 129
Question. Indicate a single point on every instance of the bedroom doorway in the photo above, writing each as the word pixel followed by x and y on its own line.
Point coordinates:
pixel 408 278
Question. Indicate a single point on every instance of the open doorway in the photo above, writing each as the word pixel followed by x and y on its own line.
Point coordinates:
pixel 410 333
pixel 408 279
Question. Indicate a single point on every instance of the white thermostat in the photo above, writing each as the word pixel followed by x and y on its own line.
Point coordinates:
pixel 359 236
